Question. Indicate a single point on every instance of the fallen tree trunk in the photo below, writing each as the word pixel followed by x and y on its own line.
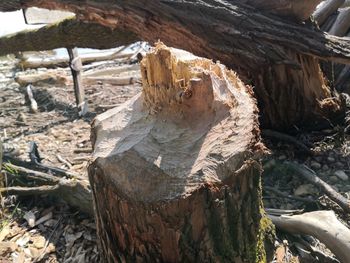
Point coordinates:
pixel 69 33
pixel 323 225
pixel 267 51
pixel 178 167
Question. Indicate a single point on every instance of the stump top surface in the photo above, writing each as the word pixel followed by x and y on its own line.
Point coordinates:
pixel 194 123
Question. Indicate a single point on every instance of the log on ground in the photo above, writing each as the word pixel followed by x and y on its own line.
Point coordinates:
pixel 175 176
pixel 245 36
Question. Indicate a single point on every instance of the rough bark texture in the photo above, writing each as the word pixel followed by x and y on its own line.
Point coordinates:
pixel 175 176
pixel 69 33
pixel 249 40
pixel 296 96
pixel 299 10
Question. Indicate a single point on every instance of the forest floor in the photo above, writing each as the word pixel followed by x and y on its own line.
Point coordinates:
pixel 67 235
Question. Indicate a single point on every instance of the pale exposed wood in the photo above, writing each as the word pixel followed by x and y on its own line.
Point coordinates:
pixel 56 78
pixel 323 225
pixel 180 94
pixel 117 81
pixel 110 71
pixel 329 7
pixel 43 78
pixel 33 103
pixel 161 158
pixel 342 23
pixel 53 62
pixel 76 66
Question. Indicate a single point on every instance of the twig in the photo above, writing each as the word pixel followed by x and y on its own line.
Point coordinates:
pixel 31 174
pixel 83 150
pixel 317 252
pixel 42 254
pixel 23 191
pixel 64 161
pixel 287 138
pixel 284 195
pixel 279 212
pixel 40 167
pixel 82 158
pixel 33 103
pixel 310 175
pixel 74 191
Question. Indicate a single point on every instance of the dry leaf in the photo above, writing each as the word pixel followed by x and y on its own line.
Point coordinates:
pixel 6 247
pixel 4 233
pixel 38 241
pixel 280 254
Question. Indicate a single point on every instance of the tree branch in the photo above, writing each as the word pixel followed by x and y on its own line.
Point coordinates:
pixel 226 30
pixel 68 33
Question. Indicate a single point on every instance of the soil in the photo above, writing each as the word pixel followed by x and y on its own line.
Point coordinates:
pixel 60 135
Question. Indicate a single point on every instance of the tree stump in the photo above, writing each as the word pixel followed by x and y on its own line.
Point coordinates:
pixel 175 176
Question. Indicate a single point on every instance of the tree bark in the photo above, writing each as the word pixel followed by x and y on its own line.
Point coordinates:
pixel 262 48
pixel 69 33
pixel 175 176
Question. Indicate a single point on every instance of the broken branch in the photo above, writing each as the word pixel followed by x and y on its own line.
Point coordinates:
pixel 310 175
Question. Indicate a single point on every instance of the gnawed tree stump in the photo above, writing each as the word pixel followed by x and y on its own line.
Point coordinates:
pixel 263 40
pixel 175 176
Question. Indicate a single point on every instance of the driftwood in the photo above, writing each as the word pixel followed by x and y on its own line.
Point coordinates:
pixel 323 225
pixel 181 155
